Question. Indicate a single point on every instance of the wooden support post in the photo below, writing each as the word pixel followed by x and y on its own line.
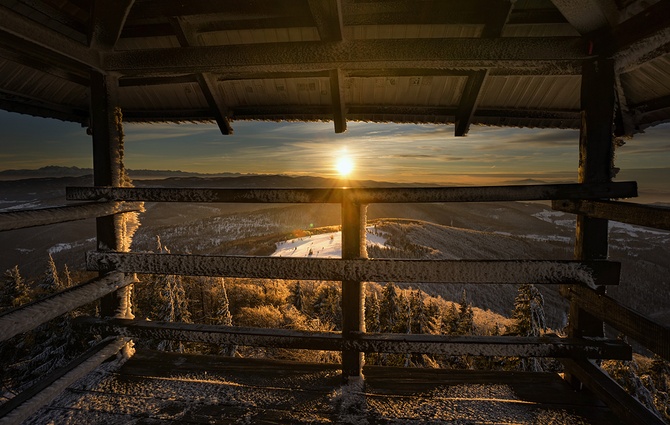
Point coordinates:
pixel 353 292
pixel 595 166
pixel 107 166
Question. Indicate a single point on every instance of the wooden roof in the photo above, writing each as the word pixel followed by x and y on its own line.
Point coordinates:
pixel 493 62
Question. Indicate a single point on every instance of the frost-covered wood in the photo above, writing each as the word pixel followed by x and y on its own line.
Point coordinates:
pixel 505 52
pixel 546 346
pixel 657 217
pixel 29 316
pixel 358 195
pixel 29 401
pixel 652 335
pixel 40 217
pixel 367 270
pixel 631 411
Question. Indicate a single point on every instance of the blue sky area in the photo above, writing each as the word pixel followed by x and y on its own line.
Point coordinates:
pixel 388 152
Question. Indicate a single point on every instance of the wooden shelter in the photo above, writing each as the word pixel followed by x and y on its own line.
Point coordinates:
pixel 602 66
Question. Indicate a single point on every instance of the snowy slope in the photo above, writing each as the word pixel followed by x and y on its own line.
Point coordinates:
pixel 324 245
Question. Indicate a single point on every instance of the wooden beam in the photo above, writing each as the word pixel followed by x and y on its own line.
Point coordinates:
pixel 547 346
pixel 337 98
pixel 44 62
pixel 208 82
pixel 652 105
pixel 360 195
pixel 107 21
pixel 38 38
pixel 650 334
pixel 26 403
pixel 627 407
pixel 10 220
pixel 353 290
pixel 232 9
pixel 588 17
pixel 328 18
pixel 468 103
pixel 657 217
pixel 505 52
pixel 363 270
pixel 28 317
pixel 17 102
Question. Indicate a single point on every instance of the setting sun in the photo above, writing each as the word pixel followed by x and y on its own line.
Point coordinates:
pixel 344 165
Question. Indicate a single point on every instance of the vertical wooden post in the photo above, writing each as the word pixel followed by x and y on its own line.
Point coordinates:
pixel 596 154
pixel 353 292
pixel 107 167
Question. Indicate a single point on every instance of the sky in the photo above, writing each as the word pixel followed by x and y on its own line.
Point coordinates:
pixel 384 152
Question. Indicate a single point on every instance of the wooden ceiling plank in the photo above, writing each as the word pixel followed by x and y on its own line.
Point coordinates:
pixel 208 83
pixel 585 16
pixel 107 22
pixel 465 53
pixel 328 18
pixel 43 64
pixel 38 37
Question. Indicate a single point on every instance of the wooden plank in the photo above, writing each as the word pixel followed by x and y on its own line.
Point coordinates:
pixel 360 195
pixel 365 270
pixel 657 217
pixel 10 220
pixel 624 405
pixel 473 53
pixel 353 290
pixel 30 316
pixel 546 346
pixel 26 403
pixel 652 335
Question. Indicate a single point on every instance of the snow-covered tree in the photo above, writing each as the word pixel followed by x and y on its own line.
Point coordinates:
pixel 528 313
pixel 372 309
pixel 298 297
pixel 465 323
pixel 389 309
pixel 51 282
pixel 14 291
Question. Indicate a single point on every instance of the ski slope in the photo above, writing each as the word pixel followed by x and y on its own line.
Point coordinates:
pixel 325 245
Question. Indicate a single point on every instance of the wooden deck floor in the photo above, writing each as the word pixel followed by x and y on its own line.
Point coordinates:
pixel 159 388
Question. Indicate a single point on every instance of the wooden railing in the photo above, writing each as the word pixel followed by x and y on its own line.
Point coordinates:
pixel 579 278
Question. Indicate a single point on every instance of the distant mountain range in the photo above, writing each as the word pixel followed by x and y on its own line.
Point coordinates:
pixel 57 171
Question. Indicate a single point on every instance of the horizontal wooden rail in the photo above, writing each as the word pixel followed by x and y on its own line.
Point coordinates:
pixel 26 403
pixel 359 195
pixel 624 212
pixel 30 316
pixel 652 335
pixel 505 346
pixel 628 408
pixel 371 270
pixel 11 220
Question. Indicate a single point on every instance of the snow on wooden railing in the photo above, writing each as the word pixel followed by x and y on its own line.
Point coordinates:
pixel 29 316
pixel 546 346
pixel 358 195
pixel 589 273
pixel 642 215
pixel 11 220
pixel 25 404
pixel 650 334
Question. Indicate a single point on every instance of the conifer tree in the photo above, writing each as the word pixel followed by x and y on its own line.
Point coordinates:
pixel 528 313
pixel 389 308
pixel 372 309
pixel 14 290
pixel 51 282
pixel 298 297
pixel 465 323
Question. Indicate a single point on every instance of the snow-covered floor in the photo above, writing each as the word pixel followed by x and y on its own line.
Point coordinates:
pixel 159 388
pixel 324 245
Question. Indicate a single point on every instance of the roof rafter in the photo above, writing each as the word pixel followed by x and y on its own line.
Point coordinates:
pixel 328 17
pixel 337 95
pixel 37 38
pixel 468 53
pixel 107 21
pixel 207 81
pixel 497 18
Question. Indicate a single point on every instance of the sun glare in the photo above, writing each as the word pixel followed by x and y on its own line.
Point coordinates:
pixel 344 165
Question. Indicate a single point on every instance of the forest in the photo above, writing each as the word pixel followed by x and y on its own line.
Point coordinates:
pixel 297 305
